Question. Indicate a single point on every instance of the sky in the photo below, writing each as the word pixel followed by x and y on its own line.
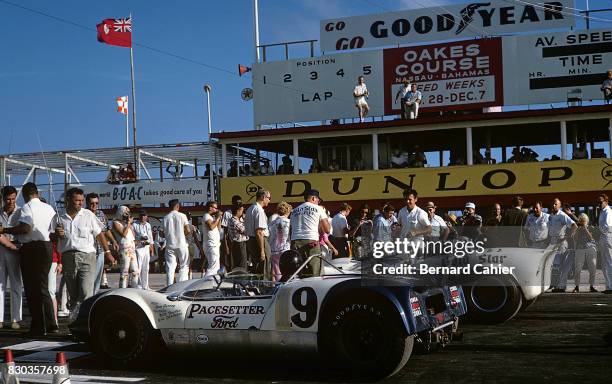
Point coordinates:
pixel 57 81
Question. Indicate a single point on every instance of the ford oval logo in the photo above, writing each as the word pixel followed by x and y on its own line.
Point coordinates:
pixel 202 339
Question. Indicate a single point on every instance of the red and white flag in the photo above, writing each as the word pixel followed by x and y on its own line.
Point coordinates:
pixel 122 105
pixel 116 32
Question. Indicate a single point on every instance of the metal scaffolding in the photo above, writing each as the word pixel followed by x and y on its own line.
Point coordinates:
pixel 72 163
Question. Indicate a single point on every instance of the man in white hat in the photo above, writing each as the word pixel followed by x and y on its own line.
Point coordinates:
pixel 470 222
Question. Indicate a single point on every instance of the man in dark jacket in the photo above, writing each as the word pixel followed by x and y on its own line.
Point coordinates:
pixel 515 217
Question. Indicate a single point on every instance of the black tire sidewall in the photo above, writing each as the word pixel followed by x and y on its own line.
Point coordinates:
pixel 139 322
pixel 511 306
pixel 340 322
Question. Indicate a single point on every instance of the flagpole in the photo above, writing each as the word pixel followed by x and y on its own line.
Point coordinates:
pixel 127 128
pixel 136 162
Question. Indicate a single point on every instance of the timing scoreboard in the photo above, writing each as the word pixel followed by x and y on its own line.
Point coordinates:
pixel 458 75
pixel 469 74
pixel 317 88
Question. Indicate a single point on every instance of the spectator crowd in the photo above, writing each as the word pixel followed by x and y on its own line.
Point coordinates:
pixel 38 244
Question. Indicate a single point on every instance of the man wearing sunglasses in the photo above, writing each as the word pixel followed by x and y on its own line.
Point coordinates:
pixel 93 204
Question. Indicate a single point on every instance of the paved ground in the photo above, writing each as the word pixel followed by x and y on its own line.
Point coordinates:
pixel 559 339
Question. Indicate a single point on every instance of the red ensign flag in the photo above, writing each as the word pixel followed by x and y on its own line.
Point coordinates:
pixel 116 32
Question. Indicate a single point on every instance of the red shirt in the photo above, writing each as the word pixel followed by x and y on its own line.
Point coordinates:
pixel 57 256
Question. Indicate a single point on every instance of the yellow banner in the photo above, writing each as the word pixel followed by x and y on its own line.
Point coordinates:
pixel 469 180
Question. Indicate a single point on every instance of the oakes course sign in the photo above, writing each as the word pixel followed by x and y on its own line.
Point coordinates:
pixel 520 178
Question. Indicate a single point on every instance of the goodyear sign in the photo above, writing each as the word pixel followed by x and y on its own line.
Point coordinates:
pixel 499 179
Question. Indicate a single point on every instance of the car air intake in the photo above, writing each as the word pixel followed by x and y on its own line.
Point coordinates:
pixel 435 304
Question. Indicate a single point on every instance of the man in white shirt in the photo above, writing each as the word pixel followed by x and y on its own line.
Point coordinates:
pixel 537 227
pixel 212 237
pixel 76 232
pixel 560 228
pixel 605 239
pixel 361 93
pixel 306 221
pixel 92 200
pixel 256 225
pixel 176 227
pixel 403 91
pixel 439 229
pixel 413 101
pixel 399 159
pixel 9 258
pixel 340 230
pixel 144 247
pixel 35 259
pixel 413 221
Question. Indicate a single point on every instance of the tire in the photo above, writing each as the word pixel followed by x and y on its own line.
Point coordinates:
pixel 528 303
pixel 123 335
pixel 492 300
pixel 365 336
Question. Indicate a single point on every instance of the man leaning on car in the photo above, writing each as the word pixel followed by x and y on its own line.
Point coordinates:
pixel 306 221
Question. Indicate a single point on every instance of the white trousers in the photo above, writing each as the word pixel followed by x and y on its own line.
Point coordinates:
pixel 605 247
pixel 143 255
pixel 9 268
pixel 129 268
pixel 213 256
pixel 413 110
pixel 62 295
pixel 174 255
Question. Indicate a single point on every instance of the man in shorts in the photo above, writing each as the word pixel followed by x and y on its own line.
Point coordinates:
pixel 361 93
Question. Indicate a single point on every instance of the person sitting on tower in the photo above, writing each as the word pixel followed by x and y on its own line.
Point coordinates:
pixel 606 87
pixel 413 101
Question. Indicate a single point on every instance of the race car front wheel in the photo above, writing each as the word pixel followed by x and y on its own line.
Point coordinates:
pixel 122 334
pixel 365 337
pixel 492 300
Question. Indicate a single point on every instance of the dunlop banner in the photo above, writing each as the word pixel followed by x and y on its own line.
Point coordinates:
pixel 499 179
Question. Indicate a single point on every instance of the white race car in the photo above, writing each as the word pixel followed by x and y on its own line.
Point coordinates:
pixel 366 325
pixel 496 298
pixel 499 282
